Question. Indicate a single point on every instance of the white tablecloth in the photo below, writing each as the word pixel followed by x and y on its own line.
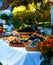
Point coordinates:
pixel 18 56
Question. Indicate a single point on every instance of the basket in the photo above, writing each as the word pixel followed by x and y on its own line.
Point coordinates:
pixel 31 48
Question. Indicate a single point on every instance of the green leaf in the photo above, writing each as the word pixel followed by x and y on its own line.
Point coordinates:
pixel 45 62
pixel 1 63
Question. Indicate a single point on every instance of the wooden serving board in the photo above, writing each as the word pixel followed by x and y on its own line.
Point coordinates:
pixel 17 45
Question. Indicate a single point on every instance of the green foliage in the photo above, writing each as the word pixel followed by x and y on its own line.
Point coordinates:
pixel 45 62
pixel 15 3
pixel 42 15
pixel 31 18
pixel 5 17
pixel 1 63
pixel 25 20
pixel 45 25
pixel 47 56
pixel 18 9
pixel 47 6
pixel 36 1
pixel 28 18
pixel 18 19
pixel 26 28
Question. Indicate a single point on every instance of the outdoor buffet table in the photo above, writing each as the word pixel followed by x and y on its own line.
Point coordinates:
pixel 18 56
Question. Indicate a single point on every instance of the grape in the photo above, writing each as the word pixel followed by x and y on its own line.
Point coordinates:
pixel 34 42
pixel 32 37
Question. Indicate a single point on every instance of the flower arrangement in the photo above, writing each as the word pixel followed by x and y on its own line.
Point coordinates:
pixel 46 47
